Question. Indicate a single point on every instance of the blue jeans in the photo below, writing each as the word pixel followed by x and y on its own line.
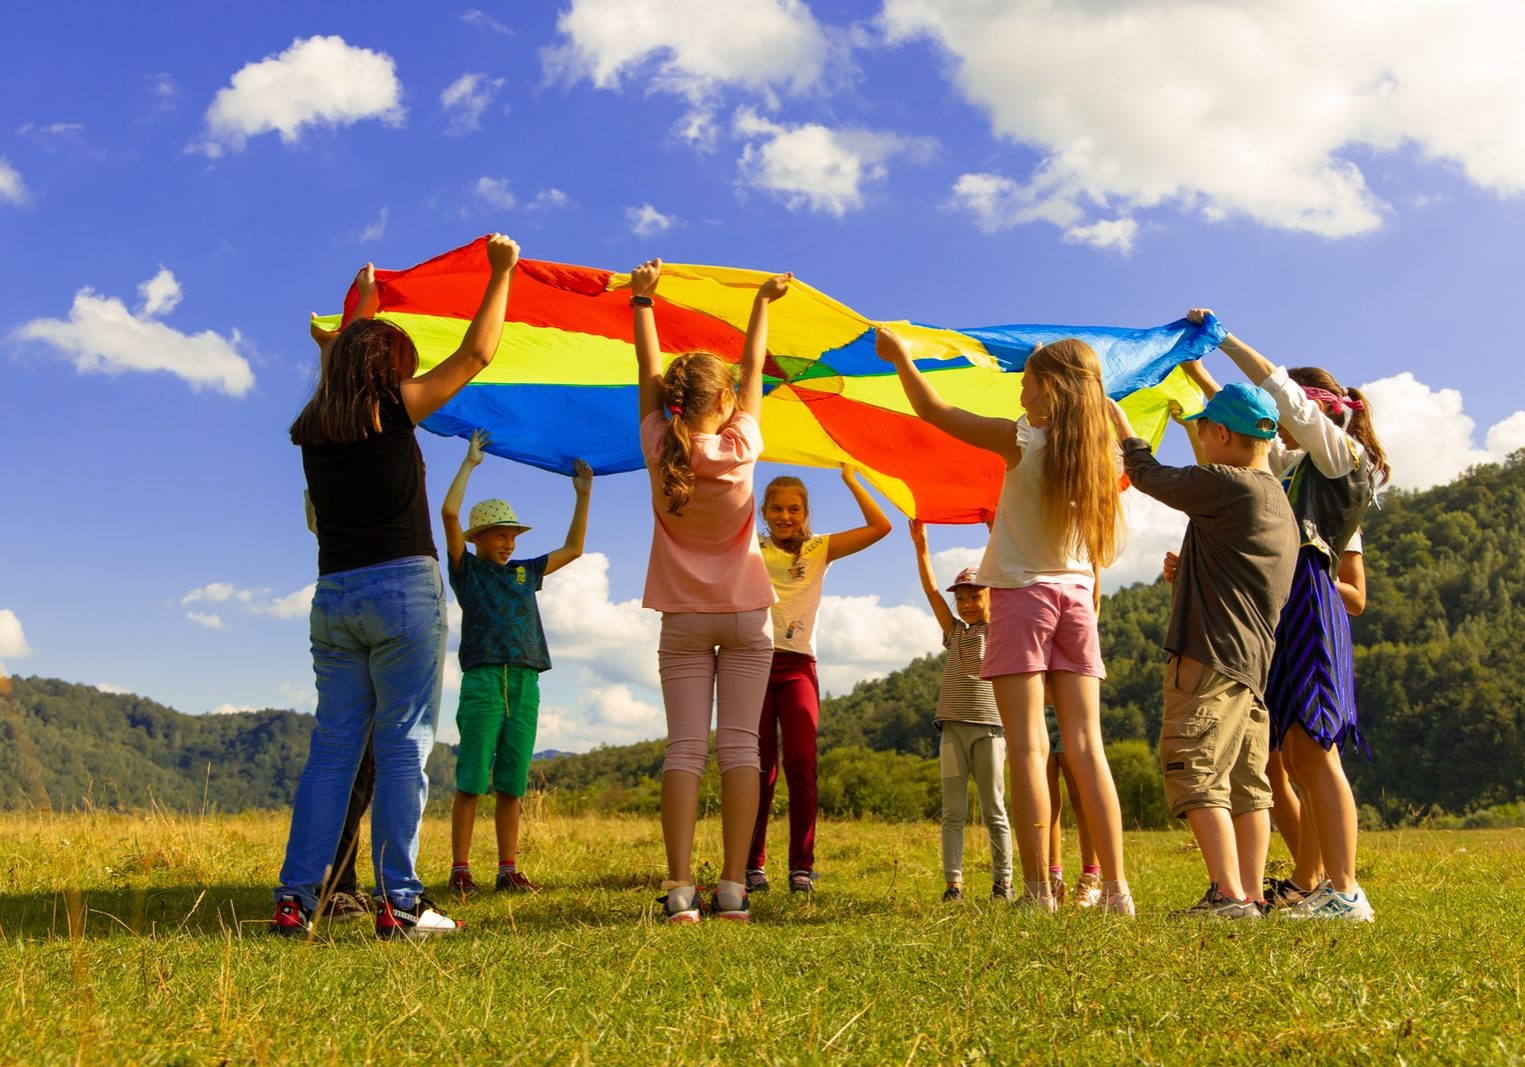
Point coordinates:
pixel 378 650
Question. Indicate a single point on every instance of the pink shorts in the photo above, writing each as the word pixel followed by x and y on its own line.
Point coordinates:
pixel 1040 628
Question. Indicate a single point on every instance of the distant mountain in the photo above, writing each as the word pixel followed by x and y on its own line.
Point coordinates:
pixel 68 746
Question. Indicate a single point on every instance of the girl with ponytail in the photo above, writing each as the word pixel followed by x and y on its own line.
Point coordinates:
pixel 700 437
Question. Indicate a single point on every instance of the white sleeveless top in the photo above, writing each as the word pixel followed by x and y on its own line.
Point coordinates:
pixel 1021 551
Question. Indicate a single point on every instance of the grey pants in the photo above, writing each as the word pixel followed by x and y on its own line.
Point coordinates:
pixel 968 748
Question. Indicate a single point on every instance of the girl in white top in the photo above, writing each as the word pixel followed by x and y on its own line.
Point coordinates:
pixel 1057 521
pixel 797 562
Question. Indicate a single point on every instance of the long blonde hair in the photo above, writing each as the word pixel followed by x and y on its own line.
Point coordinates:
pixel 1080 479
pixel 691 388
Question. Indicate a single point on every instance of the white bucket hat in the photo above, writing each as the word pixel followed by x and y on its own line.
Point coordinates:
pixel 490 513
pixel 969 576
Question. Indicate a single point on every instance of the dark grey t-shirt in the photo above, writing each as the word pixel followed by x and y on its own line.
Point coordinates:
pixel 1236 561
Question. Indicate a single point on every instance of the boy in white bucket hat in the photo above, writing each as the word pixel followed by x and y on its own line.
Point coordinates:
pixel 502 654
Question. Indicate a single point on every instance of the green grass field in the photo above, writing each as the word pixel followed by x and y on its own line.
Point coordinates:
pixel 142 939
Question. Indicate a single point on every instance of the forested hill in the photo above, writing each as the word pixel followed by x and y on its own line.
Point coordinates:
pixel 65 746
pixel 1440 663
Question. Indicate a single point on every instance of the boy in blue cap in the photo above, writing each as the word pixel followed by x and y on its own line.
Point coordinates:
pixel 1234 575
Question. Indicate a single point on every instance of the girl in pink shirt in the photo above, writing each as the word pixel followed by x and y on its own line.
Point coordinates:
pixel 706 575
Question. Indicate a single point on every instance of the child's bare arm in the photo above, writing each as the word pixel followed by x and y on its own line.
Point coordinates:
pixel 648 347
pixel 940 610
pixel 582 484
pixel 450 510
pixel 427 393
pixel 1351 582
pixel 993 435
pixel 875 526
pixel 754 349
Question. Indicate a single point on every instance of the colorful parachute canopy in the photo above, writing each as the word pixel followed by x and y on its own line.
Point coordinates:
pixel 562 384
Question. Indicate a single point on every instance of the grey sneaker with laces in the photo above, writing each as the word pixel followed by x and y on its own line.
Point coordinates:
pixel 1215 904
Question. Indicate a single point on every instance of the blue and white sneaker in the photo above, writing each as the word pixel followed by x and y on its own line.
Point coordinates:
pixel 1326 902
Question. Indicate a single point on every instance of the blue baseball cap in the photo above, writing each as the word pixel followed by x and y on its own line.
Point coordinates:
pixel 1243 408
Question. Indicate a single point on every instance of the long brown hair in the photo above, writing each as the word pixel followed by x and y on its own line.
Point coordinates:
pixel 691 388
pixel 1080 489
pixel 803 534
pixel 1360 425
pixel 368 362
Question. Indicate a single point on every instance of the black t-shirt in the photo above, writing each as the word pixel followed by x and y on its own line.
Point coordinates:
pixel 369 496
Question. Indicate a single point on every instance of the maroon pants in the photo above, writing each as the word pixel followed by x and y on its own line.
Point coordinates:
pixel 793 706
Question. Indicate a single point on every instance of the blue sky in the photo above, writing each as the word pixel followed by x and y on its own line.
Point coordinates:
pixel 174 207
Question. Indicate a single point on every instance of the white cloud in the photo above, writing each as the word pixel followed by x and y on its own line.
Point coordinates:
pixel 300 697
pixel 647 221
pixel 161 294
pixel 1428 438
pixel 690 47
pixel 495 193
pixel 549 200
pixel 604 715
pixel 12 189
pixel 12 641
pixel 318 81
pixel 482 20
pixel 256 601
pixel 1268 111
pixel 465 99
pixel 162 85
pixel 211 620
pixel 52 129
pixel 113 688
pixel 231 709
pixel 583 626
pixel 858 638
pixel 815 167
pixel 699 128
pixel 1153 530
pixel 376 229
pixel 102 336
pixel 1117 234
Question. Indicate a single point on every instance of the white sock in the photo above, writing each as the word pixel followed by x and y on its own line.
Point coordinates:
pixel 1117 888
pixel 730 894
pixel 679 897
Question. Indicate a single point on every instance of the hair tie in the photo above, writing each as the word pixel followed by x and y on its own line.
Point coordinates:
pixel 1338 404
pixel 675 409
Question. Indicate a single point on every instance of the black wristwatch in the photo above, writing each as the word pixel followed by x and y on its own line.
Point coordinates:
pixel 640 301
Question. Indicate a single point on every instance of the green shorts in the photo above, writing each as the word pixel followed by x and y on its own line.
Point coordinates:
pixel 497 717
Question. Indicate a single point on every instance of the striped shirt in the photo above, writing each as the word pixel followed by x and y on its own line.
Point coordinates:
pixel 964 698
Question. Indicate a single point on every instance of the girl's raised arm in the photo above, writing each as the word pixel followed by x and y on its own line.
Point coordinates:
pixel 754 349
pixel 875 525
pixel 993 435
pixel 648 349
pixel 429 392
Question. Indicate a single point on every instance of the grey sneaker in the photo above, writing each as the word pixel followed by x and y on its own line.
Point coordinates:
pixel 802 881
pixel 1216 905
pixel 757 880
pixel 1058 888
pixel 1285 893
pixel 953 894
pixel 1002 890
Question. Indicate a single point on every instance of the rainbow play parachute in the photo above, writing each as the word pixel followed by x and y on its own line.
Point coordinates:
pixel 563 382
